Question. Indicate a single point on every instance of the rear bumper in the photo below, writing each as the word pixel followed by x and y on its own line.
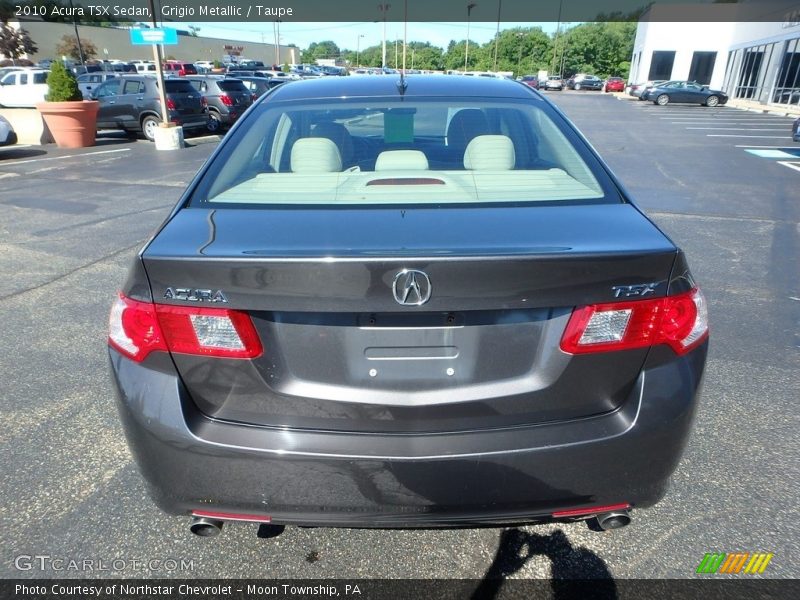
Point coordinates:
pixel 483 477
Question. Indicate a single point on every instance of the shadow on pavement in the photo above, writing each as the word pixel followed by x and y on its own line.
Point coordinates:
pixel 11 153
pixel 570 567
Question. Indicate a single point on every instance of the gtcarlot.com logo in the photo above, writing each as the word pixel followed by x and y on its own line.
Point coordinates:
pixel 735 562
pixel 45 562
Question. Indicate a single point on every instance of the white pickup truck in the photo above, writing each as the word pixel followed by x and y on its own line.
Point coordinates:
pixel 23 88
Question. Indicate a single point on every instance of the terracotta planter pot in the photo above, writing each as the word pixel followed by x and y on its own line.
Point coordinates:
pixel 73 124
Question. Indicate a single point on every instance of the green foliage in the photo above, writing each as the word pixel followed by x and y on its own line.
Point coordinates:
pixel 601 48
pixel 217 64
pixel 68 46
pixel 62 85
pixel 285 68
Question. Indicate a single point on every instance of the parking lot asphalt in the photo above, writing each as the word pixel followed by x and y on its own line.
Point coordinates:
pixel 73 220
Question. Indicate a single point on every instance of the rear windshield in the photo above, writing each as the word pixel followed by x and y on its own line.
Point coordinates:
pixel 178 86
pixel 232 86
pixel 403 151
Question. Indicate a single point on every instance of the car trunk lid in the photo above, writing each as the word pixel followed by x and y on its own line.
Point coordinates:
pixel 342 353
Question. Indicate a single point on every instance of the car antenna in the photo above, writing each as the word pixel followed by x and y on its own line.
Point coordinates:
pixel 403 84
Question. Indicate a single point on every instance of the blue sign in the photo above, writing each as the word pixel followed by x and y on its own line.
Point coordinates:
pixel 146 37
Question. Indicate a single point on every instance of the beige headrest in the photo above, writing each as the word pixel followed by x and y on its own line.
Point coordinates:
pixel 490 153
pixel 315 155
pixel 401 160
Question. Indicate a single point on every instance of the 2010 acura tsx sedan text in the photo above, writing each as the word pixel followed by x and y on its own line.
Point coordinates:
pixel 407 303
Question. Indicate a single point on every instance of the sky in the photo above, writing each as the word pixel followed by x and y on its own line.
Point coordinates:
pixel 346 35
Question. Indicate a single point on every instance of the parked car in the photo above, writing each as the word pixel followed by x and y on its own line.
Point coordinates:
pixel 614 84
pixel 226 98
pixel 8 136
pixel 204 66
pixel 81 69
pixel 331 70
pixel 23 88
pixel 554 82
pixel 145 67
pixel 178 69
pixel 687 92
pixel 796 130
pixel 531 81
pixel 4 70
pixel 304 342
pixel 261 85
pixel 132 103
pixel 585 82
pixel 639 90
pixel 89 81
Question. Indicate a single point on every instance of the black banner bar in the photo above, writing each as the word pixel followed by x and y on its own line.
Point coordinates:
pixel 384 589
pixel 86 11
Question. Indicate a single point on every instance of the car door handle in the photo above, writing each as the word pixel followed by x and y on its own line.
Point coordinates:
pixel 140 99
pixel 112 101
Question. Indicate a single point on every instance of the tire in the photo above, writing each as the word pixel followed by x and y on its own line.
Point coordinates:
pixel 214 124
pixel 712 101
pixel 577 86
pixel 149 125
pixel 662 100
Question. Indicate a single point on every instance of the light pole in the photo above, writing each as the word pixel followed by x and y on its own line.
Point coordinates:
pixel 520 35
pixel 470 6
pixel 558 28
pixel 358 50
pixel 77 37
pixel 497 33
pixel 384 8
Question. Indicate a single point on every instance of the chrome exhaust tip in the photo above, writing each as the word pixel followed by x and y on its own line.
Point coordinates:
pixel 205 527
pixel 613 520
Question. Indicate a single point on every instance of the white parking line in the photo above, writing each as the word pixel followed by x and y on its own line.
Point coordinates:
pixel 739 128
pixel 33 160
pixel 775 137
pixel 791 165
pixel 751 146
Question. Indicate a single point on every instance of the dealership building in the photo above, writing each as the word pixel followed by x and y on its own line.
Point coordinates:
pixel 754 62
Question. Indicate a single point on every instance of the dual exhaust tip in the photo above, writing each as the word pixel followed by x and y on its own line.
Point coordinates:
pixel 208 527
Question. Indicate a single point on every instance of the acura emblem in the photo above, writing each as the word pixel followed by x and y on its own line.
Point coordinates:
pixel 412 288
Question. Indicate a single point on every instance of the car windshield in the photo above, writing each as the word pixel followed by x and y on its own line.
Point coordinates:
pixel 402 151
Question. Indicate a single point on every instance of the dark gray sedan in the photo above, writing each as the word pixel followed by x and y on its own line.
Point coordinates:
pixel 686 92
pixel 416 303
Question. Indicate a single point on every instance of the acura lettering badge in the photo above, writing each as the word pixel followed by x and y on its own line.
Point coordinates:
pixel 412 288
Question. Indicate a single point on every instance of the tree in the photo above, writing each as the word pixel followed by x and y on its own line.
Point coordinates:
pixel 14 43
pixel 193 30
pixel 324 49
pixel 68 46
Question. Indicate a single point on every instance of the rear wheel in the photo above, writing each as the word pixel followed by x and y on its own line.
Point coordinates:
pixel 662 100
pixel 577 86
pixel 214 122
pixel 149 125
pixel 712 101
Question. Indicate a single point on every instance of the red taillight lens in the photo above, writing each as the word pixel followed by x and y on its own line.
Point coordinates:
pixel 253 97
pixel 226 100
pixel 133 328
pixel 138 328
pixel 170 104
pixel 679 321
pixel 203 102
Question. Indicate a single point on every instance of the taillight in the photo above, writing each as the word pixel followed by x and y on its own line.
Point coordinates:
pixel 170 104
pixel 253 97
pixel 679 321
pixel 138 328
pixel 226 100
pixel 203 102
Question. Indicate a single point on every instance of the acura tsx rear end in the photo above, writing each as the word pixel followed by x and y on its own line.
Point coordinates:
pixel 413 303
